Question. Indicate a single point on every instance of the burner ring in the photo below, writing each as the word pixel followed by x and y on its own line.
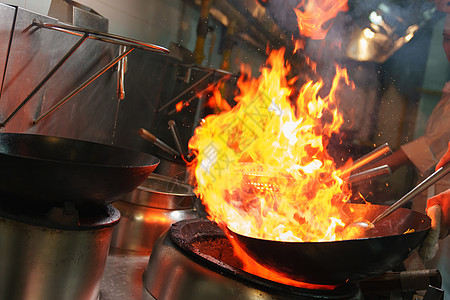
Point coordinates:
pixel 185 233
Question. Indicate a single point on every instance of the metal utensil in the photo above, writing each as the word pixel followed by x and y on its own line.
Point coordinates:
pixel 157 142
pixel 177 137
pixel 370 174
pixel 430 180
pixel 370 157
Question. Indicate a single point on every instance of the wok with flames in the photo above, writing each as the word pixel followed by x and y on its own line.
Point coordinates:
pixel 342 261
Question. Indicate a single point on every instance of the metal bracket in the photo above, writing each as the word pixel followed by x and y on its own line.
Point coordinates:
pixel 129 45
pixel 210 72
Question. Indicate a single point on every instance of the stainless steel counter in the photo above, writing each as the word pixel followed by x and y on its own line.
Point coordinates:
pixel 122 278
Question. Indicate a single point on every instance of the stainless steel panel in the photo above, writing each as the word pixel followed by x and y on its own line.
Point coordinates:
pixel 141 226
pixel 122 279
pixel 39 263
pixel 95 114
pixel 26 65
pixel 7 14
pixel 91 114
pixel 74 13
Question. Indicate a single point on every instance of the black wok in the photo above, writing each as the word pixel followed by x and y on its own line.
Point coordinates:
pixel 338 262
pixel 38 168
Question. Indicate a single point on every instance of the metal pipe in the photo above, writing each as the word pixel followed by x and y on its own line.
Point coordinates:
pixel 186 103
pixel 202 31
pixel 46 78
pixel 370 174
pixel 83 85
pixel 102 36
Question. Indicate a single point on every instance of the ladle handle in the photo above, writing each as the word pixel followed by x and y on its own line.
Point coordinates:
pixel 430 180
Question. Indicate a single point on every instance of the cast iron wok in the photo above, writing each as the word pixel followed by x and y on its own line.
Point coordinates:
pixel 338 262
pixel 38 168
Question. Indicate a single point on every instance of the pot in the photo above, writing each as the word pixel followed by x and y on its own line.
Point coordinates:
pixel 42 258
pixel 55 169
pixel 150 210
pixel 339 262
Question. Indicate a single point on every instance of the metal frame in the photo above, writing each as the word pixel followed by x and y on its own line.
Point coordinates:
pixel 210 72
pixel 129 45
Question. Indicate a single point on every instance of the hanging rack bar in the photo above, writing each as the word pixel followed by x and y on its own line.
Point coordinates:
pixel 83 85
pixel 102 36
pixel 127 43
pixel 46 78
pixel 185 91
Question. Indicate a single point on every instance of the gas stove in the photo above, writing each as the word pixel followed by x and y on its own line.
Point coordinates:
pixel 53 251
pixel 194 260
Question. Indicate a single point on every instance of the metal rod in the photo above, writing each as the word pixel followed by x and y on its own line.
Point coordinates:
pixel 157 142
pixel 83 85
pixel 430 180
pixel 102 36
pixel 185 91
pixel 121 68
pixel 11 35
pixel 197 95
pixel 370 174
pixel 46 78
pixel 177 137
pixel 368 158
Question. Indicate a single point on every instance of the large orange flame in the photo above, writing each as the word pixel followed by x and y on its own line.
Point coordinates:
pixel 313 16
pixel 262 167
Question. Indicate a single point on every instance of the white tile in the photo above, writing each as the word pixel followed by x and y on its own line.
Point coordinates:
pixel 39 6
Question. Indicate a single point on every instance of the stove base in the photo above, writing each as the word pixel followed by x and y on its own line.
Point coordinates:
pixel 173 275
pixel 41 259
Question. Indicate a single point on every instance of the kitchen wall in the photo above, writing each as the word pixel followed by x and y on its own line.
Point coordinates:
pixel 39 6
pixel 95 113
pixel 162 22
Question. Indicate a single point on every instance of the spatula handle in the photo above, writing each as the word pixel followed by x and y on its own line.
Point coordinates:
pixel 430 180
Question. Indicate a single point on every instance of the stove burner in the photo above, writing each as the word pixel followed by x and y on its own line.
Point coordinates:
pixel 53 251
pixel 64 215
pixel 203 238
pixel 196 253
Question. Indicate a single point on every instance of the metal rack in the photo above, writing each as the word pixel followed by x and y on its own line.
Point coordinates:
pixel 127 44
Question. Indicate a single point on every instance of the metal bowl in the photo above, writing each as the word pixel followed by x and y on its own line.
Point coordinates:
pixel 163 192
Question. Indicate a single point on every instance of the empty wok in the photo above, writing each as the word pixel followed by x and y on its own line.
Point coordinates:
pixel 39 168
pixel 343 261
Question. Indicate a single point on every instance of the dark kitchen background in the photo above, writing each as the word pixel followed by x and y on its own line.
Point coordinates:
pixel 398 79
pixel 398 82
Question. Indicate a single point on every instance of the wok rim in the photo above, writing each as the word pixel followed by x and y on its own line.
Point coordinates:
pixel 424 216
pixel 336 262
pixel 154 160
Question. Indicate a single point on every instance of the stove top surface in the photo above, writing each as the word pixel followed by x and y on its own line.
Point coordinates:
pixel 170 273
